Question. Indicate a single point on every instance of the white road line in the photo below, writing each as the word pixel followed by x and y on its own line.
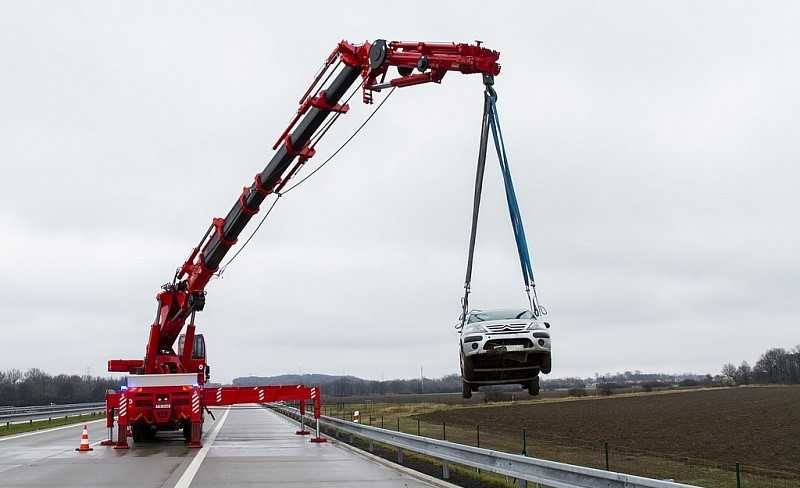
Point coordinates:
pixel 188 475
pixel 44 431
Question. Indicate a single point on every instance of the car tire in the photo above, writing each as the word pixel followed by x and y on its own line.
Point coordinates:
pixel 466 390
pixel 533 387
pixel 547 364
pixel 466 367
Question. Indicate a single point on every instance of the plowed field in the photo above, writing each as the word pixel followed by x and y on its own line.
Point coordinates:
pixel 759 426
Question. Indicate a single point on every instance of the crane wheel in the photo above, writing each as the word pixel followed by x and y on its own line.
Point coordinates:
pixel 466 389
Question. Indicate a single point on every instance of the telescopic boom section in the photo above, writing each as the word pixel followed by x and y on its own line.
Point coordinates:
pixel 368 61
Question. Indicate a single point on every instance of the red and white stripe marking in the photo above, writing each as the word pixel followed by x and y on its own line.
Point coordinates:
pixel 314 393
pixel 219 395
pixel 195 402
pixel 123 405
pixel 260 395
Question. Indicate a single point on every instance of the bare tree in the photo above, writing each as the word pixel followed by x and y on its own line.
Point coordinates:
pixel 729 371
pixel 744 374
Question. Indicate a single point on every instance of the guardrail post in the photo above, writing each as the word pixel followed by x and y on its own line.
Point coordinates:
pixel 478 442
pixel 738 475
pixel 418 431
pixel 524 443
pixel 522 483
pixel 381 421
pixel 444 431
pixel 606 450
pixel 445 470
pixel 399 456
pixel 371 446
pixel 398 424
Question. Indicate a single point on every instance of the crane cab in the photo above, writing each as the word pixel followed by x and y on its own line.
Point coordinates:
pixel 197 359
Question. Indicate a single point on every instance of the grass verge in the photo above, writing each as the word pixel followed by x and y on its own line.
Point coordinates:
pixel 21 428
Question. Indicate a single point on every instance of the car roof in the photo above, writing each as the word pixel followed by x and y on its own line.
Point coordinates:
pixel 491 310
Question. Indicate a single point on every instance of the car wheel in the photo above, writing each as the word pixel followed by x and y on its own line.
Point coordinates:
pixel 466 367
pixel 466 389
pixel 533 387
pixel 547 364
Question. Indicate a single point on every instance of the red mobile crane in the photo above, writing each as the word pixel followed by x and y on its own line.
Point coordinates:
pixel 166 390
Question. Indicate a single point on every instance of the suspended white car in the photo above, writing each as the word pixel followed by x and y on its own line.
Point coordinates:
pixel 503 346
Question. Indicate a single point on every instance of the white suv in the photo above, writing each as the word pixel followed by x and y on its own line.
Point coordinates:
pixel 505 346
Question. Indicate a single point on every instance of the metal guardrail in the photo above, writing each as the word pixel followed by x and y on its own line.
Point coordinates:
pixel 548 473
pixel 15 413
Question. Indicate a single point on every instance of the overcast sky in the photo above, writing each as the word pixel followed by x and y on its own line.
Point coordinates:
pixel 654 147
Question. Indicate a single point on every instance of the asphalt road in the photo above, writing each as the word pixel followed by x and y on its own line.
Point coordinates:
pixel 245 446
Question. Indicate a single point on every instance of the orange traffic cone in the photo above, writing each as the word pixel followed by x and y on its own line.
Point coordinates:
pixel 84 441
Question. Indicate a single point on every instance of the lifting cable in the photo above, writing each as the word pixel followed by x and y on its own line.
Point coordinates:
pixel 278 195
pixel 513 209
pixel 491 120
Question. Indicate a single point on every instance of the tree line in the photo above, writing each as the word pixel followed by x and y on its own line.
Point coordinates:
pixel 35 387
pixel 775 366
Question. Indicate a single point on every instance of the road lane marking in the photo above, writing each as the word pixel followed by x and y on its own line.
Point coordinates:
pixel 44 431
pixel 188 475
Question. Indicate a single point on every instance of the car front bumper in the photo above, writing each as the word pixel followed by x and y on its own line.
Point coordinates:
pixel 520 342
pixel 504 358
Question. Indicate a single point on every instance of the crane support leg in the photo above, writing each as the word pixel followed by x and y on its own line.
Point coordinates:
pixel 302 430
pixel 122 423
pixel 111 400
pixel 316 397
pixel 196 419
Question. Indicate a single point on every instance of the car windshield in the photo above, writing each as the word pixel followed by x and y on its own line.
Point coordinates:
pixel 506 314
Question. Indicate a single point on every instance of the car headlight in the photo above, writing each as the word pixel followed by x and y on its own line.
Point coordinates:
pixel 474 329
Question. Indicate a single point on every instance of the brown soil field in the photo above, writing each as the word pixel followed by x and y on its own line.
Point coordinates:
pixel 757 426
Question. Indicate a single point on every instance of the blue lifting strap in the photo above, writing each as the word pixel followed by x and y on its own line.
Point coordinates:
pixel 513 206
